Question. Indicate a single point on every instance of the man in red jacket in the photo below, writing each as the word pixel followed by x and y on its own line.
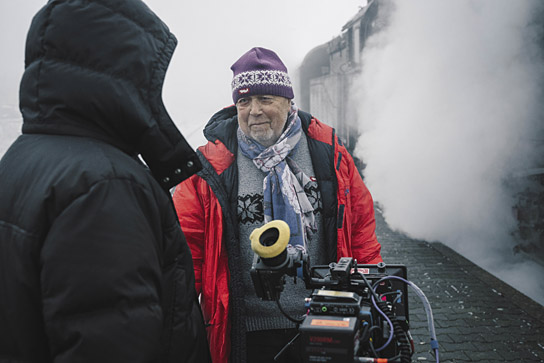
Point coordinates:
pixel 267 160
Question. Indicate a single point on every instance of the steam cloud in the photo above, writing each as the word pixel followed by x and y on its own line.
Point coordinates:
pixel 448 113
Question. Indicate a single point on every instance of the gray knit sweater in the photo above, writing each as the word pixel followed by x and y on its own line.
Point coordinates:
pixel 265 315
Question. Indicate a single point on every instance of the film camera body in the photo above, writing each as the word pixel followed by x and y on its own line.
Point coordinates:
pixel 355 313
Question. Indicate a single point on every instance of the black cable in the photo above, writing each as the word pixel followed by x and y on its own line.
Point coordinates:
pixel 396 358
pixel 399 332
pixel 365 332
pixel 294 320
pixel 371 345
pixel 371 340
pixel 405 353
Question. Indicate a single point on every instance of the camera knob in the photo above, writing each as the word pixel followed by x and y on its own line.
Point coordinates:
pixel 381 267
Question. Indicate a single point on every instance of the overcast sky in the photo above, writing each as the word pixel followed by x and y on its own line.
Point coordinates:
pixel 211 36
pixel 439 138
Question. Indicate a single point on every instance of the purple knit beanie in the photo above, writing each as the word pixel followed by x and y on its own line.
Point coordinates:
pixel 260 72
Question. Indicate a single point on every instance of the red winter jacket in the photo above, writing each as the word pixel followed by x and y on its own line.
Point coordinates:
pixel 206 207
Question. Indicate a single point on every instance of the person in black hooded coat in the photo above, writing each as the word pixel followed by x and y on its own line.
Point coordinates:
pixel 93 264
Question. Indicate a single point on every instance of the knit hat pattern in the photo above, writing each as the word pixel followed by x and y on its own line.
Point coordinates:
pixel 260 72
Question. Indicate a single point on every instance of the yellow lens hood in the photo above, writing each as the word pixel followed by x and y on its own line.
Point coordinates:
pixel 276 248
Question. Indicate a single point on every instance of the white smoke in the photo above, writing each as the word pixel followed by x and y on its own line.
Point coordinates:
pixel 448 99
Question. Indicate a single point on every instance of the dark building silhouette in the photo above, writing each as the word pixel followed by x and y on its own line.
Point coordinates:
pixel 328 71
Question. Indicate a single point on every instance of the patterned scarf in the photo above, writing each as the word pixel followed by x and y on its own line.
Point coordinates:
pixel 283 186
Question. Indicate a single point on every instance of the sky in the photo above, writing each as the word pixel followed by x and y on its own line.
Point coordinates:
pixel 450 112
pixel 211 35
pixel 447 99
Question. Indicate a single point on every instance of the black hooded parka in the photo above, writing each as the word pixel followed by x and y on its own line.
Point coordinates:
pixel 93 264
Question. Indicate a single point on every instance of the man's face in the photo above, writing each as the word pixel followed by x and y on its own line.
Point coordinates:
pixel 262 117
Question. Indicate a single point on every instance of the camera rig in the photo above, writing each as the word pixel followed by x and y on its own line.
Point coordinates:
pixel 355 313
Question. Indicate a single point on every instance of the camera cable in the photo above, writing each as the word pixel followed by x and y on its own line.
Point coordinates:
pixel 405 352
pixel 426 305
pixel 294 320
